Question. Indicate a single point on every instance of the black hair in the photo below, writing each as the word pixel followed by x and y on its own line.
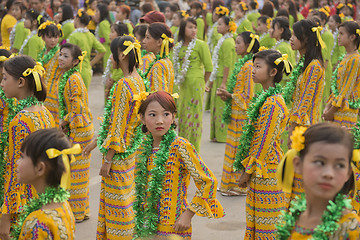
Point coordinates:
pixel 253 5
pixel 4 53
pixel 284 24
pixel 315 4
pixel 74 49
pixel 117 45
pixel 174 7
pixel 241 4
pixel 17 65
pixel 321 15
pixel 276 4
pixel 67 12
pixel 282 12
pixel 147 7
pixel 87 5
pixel 247 39
pixel 33 14
pixel 351 27
pixel 35 146
pixel 84 19
pixel 303 31
pixel 263 19
pixel 157 29
pixel 50 30
pixel 181 35
pixel 268 9
pixel 21 5
pixel 197 5
pixel 120 29
pixel 336 18
pixel 141 30
pixel 226 20
pixel 331 134
pixel 292 9
pixel 270 56
pixel 104 13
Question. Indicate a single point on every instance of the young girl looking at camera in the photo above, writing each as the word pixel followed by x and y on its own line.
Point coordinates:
pixel 21 80
pixel 259 151
pixel 324 154
pixel 164 165
pixel 44 157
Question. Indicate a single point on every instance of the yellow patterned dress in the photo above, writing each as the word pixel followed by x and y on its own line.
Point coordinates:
pixel 116 215
pixel 24 123
pixel 265 198
pixel 306 108
pixel 51 78
pixel 349 229
pixel 81 132
pixel 147 59
pixel 183 163
pixel 161 76
pixel 348 86
pixel 243 92
pixel 56 224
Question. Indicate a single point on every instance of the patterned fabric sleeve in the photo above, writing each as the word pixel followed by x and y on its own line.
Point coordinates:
pixel 311 77
pixel 244 89
pixel 267 129
pixel 204 203
pixel 158 77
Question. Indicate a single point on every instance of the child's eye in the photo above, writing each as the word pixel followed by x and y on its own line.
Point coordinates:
pixel 167 114
pixel 340 165
pixel 319 162
pixel 151 114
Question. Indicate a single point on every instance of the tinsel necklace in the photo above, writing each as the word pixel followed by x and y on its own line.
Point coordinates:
pixel 44 59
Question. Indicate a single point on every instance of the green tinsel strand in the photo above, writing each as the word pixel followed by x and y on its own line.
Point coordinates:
pixel 45 59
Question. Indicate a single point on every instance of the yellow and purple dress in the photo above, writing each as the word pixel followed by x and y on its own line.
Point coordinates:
pixel 81 132
pixel 265 198
pixel 161 76
pixel 147 59
pixel 116 215
pixel 242 94
pixel 184 162
pixel 56 224
pixel 348 86
pixel 23 124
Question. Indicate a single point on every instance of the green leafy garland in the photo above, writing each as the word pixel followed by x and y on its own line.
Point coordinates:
pixel 43 59
pixel 356 134
pixel 329 219
pixel 146 218
pixel 51 194
pixel 4 136
pixel 143 52
pixel 352 104
pixel 290 86
pixel 104 130
pixel 226 117
pixel 249 128
pixel 144 75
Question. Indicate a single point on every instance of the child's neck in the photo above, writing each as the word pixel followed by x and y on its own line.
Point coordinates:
pixel 23 94
pixel 156 142
pixel 267 84
pixel 350 48
pixel 312 216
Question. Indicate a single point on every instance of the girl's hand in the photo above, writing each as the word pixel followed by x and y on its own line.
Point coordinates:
pixel 105 170
pixel 208 87
pixel 328 115
pixel 64 126
pixel 87 150
pixel 5 227
pixel 244 180
pixel 223 94
pixel 184 221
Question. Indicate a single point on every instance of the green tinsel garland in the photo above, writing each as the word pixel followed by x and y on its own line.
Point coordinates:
pixel 143 52
pixel 144 75
pixel 249 128
pixel 146 219
pixel 4 141
pixel 329 219
pixel 290 86
pixel 356 134
pixel 51 194
pixel 104 130
pixel 226 117
pixel 352 104
pixel 43 59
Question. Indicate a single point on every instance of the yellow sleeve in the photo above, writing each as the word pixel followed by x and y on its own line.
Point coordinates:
pixel 157 76
pixel 244 88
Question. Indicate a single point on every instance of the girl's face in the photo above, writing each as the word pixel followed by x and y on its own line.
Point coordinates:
pixel 57 3
pixel 66 60
pixel 27 22
pixel 286 6
pixel 114 64
pixel 10 85
pixel 113 34
pixel 176 20
pixel 261 71
pixel 262 27
pixel 50 42
pixel 190 30
pixel 97 16
pixel 59 14
pixel 25 171
pixel 15 11
pixel 112 6
pixel 344 38
pixel 157 120
pixel 240 46
pixel 332 24
pixel 238 12
pixel 296 44
pixel 93 5
pixel 275 31
pixel 233 5
pixel 222 28
pixel 168 13
pixel 119 15
pixel 325 169
pixel 193 12
pixel 151 44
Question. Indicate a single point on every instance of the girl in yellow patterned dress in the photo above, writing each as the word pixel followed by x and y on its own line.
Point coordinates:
pixel 21 80
pixel 344 102
pixel 164 165
pixel 4 104
pixel 160 72
pixel 43 169
pixel 147 57
pixel 259 152
pixel 76 121
pixel 324 154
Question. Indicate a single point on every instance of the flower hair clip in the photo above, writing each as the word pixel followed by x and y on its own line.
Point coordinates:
pixel 36 71
pixel 221 10
pixel 262 48
pixel 184 14
pixel 287 64
pixel 81 58
pixel 244 6
pixel 204 6
pixel 80 12
pixel 298 139
pixel 268 23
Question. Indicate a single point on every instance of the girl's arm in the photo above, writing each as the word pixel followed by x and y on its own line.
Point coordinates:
pixel 205 57
pixel 100 51
pixel 244 89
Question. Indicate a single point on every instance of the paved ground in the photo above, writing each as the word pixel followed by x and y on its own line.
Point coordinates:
pixel 232 226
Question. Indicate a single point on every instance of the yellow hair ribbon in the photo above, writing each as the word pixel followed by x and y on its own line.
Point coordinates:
pixel 324 11
pixel 3 58
pixel 53 153
pixel 81 58
pixel 87 2
pixel 139 98
pixel 37 71
pixel 341 15
pixel 136 46
pixel 285 171
pixel 80 12
pixel 165 44
pixel 356 172
pixel 349 5
pixel 253 36
pixel 318 35
pixel 175 95
pixel 262 48
pixel 184 14
pixel 45 24
pixel 287 64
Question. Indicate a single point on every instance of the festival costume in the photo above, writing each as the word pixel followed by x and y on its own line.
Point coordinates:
pixel 56 224
pixel 116 215
pixel 200 28
pixel 20 34
pixel 33 46
pixel 253 16
pixel 87 41
pixel 267 41
pixel 67 28
pixel 7 22
pixel 161 76
pixel 213 37
pixel 326 53
pixel 191 92
pixel 243 92
pixel 243 25
pixel 81 132
pixel 348 86
pixel 92 25
pixel 147 59
pixel 226 58
pixel 103 35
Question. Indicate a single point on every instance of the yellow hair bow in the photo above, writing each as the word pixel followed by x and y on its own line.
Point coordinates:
pixel 318 35
pixel 80 12
pixel 244 6
pixel 165 44
pixel 221 10
pixel 253 36
pixel 137 49
pixel 341 15
pixel 232 26
pixel 36 71
pixel 184 14
pixel 324 11
pixel 139 98
pixel 349 5
pixel 358 31
pixel 39 18
pixel 287 64
pixel 340 5
pixel 262 48
pixel 87 1
pixel 53 153
pixel 3 58
pixel 81 58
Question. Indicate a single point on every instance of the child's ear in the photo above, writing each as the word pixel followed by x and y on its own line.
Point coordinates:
pixel 142 118
pixel 298 164
pixel 75 62
pixel 40 169
pixel 22 82
pixel 159 42
pixel 273 72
